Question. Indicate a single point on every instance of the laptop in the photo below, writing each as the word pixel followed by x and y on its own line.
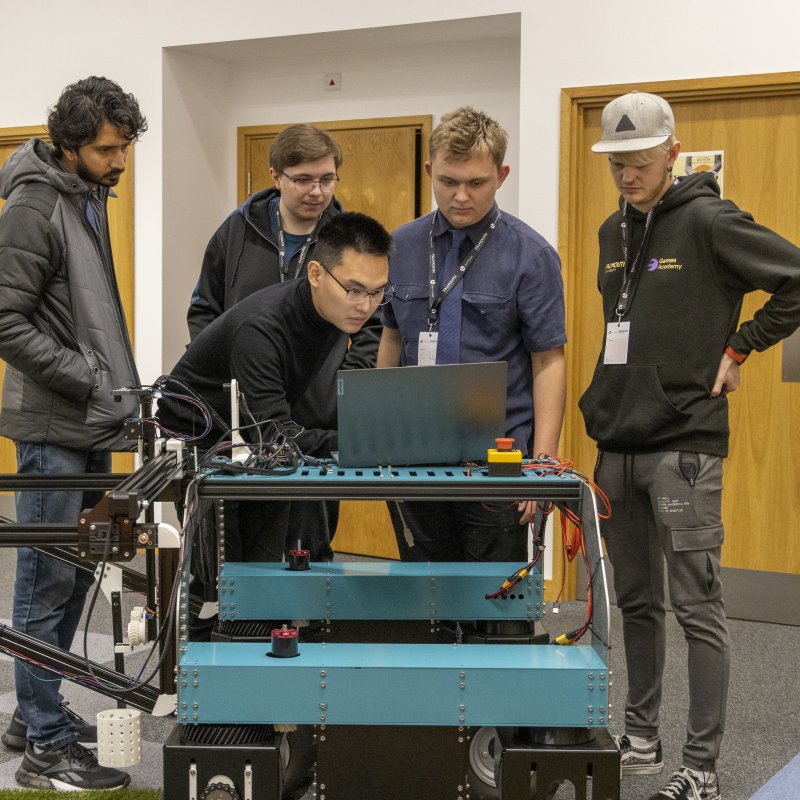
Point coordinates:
pixel 407 416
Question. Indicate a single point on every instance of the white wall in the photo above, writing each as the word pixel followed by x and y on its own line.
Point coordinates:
pixel 196 174
pixel 575 43
pixel 386 82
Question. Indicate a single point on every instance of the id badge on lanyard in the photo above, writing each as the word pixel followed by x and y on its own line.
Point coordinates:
pixel 617 336
pixel 426 348
pixel 618 332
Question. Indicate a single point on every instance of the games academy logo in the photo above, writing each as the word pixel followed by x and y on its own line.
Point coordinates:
pixel 663 263
pixel 652 265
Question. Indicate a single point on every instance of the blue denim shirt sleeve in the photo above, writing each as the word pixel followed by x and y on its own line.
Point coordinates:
pixel 540 299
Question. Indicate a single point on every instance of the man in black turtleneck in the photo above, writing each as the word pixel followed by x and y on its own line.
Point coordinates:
pixel 273 343
pixel 270 239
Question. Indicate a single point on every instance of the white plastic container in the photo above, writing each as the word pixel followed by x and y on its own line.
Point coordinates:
pixel 119 737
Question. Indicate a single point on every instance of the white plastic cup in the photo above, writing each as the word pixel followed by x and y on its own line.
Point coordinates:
pixel 119 737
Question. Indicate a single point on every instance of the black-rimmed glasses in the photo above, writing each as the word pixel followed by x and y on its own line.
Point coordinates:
pixel 380 296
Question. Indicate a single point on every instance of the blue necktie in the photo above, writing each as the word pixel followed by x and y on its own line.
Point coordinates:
pixel 449 342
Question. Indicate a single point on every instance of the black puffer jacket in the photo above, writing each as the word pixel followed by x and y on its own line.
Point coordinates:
pixel 62 329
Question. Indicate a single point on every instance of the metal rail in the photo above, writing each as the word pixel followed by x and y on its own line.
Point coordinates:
pixel 389 483
pixel 73 667
pixel 88 481
pixel 109 528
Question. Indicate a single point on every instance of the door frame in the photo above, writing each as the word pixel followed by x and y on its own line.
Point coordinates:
pixel 575 150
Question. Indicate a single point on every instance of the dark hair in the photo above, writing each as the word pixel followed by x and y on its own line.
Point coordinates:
pixel 76 119
pixel 354 231
pixel 299 143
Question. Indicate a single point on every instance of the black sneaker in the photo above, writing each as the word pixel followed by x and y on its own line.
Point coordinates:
pixel 634 760
pixel 68 769
pixel 16 734
pixel 690 784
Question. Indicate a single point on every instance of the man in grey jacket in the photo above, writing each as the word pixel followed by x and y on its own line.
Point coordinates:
pixel 65 342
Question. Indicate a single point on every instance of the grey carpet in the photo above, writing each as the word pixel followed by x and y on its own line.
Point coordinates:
pixel 763 726
pixel 763 731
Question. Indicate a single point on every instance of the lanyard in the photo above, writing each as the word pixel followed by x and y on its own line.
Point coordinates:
pixel 435 299
pixel 283 267
pixel 631 269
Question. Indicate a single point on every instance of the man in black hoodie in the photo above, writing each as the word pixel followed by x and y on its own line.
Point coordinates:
pixel 675 263
pixel 270 239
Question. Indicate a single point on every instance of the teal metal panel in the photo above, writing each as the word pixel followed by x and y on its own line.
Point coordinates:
pixel 392 684
pixel 377 590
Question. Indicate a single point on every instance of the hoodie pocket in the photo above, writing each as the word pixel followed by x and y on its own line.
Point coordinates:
pixel 625 406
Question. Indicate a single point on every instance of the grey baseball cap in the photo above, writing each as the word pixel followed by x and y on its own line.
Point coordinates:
pixel 635 121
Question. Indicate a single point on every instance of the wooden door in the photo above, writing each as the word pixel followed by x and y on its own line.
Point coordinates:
pixel 382 174
pixel 120 219
pixel 382 170
pixel 755 120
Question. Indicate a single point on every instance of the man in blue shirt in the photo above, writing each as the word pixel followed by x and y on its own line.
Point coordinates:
pixel 473 284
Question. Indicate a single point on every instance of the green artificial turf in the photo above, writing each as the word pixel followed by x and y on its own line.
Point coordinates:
pixel 49 794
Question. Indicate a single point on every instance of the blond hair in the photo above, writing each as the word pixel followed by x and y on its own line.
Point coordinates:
pixel 464 133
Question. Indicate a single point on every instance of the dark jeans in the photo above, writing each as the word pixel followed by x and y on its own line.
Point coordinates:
pixel 49 594
pixel 462 531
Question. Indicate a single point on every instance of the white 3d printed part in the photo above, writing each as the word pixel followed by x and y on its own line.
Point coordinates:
pixel 119 737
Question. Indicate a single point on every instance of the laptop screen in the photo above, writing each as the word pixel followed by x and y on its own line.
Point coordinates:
pixel 443 414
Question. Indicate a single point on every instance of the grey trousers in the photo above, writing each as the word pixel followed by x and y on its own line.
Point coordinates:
pixel 666 511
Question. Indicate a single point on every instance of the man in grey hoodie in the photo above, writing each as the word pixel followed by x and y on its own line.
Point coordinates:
pixel 65 342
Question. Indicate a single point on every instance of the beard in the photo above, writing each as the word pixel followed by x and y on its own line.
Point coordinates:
pixel 110 178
